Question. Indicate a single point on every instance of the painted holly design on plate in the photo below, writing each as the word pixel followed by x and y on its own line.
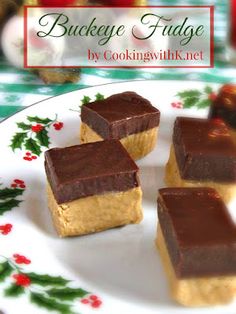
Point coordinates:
pixel 87 99
pixel 194 98
pixel 33 135
pixel 53 293
pixel 9 199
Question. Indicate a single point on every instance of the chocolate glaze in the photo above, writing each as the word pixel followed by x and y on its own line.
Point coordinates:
pixel 224 105
pixel 90 169
pixel 199 233
pixel 120 115
pixel 204 150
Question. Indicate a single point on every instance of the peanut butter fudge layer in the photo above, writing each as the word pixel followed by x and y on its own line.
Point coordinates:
pixel 92 187
pixel 196 239
pixel 127 117
pixel 203 154
pixel 224 106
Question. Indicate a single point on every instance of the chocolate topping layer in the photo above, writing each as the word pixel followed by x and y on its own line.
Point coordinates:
pixel 90 169
pixel 199 233
pixel 224 106
pixel 120 115
pixel 204 150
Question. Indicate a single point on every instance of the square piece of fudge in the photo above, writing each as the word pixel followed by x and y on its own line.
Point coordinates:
pixel 196 238
pixel 92 187
pixel 203 154
pixel 224 106
pixel 127 117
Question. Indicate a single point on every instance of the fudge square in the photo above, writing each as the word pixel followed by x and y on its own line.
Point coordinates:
pixel 127 117
pixel 203 154
pixel 196 239
pixel 92 187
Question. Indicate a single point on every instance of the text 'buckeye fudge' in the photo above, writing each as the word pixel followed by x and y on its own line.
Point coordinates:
pixel 92 187
pixel 196 239
pixel 203 154
pixel 127 117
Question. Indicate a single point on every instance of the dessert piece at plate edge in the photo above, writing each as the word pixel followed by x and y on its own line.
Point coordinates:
pixel 224 107
pixel 200 266
pixel 92 187
pixel 125 116
pixel 202 154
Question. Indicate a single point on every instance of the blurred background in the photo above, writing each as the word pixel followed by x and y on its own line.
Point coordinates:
pixel 20 88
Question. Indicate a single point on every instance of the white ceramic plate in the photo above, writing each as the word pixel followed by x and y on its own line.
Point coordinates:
pixel 116 271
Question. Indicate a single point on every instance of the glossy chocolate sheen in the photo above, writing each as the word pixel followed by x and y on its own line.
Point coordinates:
pixel 204 150
pixel 199 233
pixel 120 115
pixel 90 169
pixel 224 105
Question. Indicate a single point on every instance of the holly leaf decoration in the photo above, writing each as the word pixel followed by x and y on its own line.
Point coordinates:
pixel 189 93
pixel 85 100
pixel 43 138
pixel 10 193
pixel 49 303
pixel 39 120
pixel 99 96
pixel 67 293
pixel 46 280
pixel 8 205
pixel 32 145
pixel 5 270
pixel 18 140
pixel 204 103
pixel 196 98
pixel 208 89
pixel 24 126
pixel 14 291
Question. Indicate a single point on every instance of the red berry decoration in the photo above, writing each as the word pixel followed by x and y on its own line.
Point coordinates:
pixel 20 259
pixel 58 126
pixel 92 300
pixel 212 96
pixel 18 183
pixel 5 229
pixel 37 128
pixel 22 280
pixel 96 303
pixel 29 157
pixel 93 297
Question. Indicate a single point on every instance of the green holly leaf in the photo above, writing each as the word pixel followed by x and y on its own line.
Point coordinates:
pixel 49 303
pixel 204 103
pixel 39 120
pixel 18 140
pixel 10 193
pixel 43 138
pixel 8 205
pixel 85 100
pixel 32 145
pixel 24 126
pixel 190 102
pixel 189 93
pixel 67 293
pixel 14 291
pixel 5 270
pixel 47 280
pixel 208 90
pixel 99 96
